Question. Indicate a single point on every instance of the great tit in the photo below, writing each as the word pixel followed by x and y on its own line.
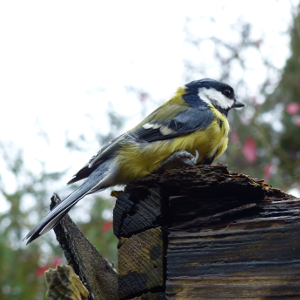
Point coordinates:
pixel 194 120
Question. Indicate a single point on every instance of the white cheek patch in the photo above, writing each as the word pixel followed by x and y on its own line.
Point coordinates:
pixel 212 95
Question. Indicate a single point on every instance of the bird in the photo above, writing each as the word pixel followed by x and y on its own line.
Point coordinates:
pixel 193 121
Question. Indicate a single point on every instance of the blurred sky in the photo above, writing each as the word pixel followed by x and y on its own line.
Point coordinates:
pixel 62 61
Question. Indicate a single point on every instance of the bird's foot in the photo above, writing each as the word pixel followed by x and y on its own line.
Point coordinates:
pixel 179 159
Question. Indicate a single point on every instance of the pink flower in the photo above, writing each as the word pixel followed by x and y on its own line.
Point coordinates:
pixel 267 172
pixel 107 226
pixel 249 150
pixel 143 97
pixel 292 108
pixel 41 270
pixel 55 261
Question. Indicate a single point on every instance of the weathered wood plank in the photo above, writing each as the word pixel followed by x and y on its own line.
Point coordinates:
pixel 138 211
pixel 151 296
pixel 230 236
pixel 234 287
pixel 94 270
pixel 64 284
pixel 141 263
pixel 240 254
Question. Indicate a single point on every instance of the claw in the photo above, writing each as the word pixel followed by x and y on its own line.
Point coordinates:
pixel 179 159
pixel 197 156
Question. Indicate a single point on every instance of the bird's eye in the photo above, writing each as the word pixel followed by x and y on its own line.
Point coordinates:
pixel 227 93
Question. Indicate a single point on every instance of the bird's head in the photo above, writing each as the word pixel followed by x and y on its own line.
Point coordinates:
pixel 213 92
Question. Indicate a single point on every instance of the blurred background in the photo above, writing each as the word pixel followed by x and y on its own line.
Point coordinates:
pixel 74 75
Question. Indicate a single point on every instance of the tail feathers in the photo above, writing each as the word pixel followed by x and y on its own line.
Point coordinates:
pixel 54 216
pixel 97 179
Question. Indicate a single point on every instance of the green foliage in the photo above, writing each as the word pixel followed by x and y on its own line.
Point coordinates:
pixel 18 279
pixel 22 267
pixel 288 93
pixel 18 271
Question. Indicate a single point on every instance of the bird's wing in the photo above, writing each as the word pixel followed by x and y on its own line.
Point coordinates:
pixel 178 120
pixel 186 122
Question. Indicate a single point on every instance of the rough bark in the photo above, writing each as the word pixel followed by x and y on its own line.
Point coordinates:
pixel 225 235
pixel 64 284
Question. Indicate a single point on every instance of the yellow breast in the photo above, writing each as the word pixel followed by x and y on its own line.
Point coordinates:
pixel 137 160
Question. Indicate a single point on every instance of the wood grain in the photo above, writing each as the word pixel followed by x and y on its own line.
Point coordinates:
pixel 141 263
pixel 94 270
pixel 229 236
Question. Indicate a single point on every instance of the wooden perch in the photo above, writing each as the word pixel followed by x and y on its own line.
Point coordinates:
pixel 224 235
pixel 197 233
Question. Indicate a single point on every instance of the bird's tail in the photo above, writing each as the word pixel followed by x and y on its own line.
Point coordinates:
pixel 97 181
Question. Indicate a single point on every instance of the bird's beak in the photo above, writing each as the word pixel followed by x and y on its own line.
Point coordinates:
pixel 238 103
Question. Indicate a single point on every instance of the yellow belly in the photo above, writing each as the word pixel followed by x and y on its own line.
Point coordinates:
pixel 138 160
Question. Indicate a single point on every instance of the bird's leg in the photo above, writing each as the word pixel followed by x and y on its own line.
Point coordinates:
pixel 179 159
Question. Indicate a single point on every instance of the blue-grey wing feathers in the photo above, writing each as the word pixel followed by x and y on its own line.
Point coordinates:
pixel 186 122
pixel 105 153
